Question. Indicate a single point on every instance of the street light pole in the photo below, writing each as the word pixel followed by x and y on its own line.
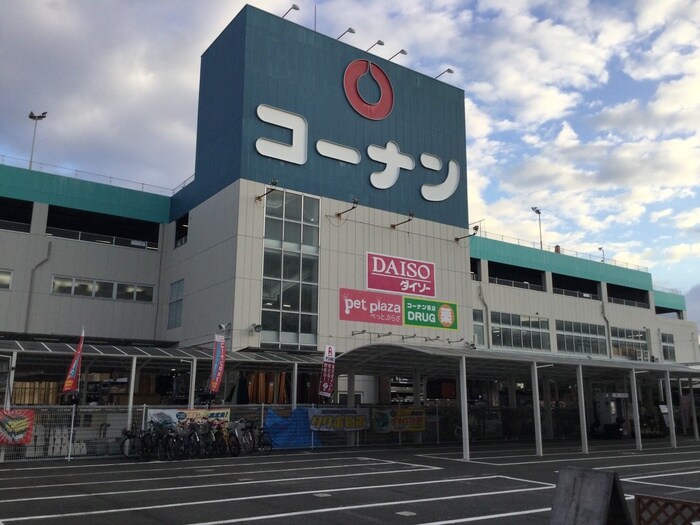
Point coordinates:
pixel 539 220
pixel 36 119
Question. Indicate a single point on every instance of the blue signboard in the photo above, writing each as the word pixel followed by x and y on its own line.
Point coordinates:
pixel 279 101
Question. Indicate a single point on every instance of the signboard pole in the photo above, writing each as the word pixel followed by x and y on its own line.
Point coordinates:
pixel 669 403
pixel 193 379
pixel 635 410
pixel 692 409
pixel 582 409
pixel 132 386
pixel 464 406
pixel 537 417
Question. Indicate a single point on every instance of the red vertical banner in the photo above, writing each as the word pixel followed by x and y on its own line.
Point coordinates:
pixel 72 381
pixel 325 385
pixel 217 363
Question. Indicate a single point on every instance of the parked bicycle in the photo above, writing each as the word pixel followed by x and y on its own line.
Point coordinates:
pixel 225 441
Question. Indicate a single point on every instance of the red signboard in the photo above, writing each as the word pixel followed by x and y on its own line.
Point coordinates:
pixel 370 307
pixel 398 275
pixel 217 363
pixel 325 385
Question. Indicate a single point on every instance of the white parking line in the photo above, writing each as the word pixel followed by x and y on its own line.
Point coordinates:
pixel 301 493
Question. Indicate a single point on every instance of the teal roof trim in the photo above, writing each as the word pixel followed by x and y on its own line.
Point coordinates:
pixel 533 258
pixel 669 300
pixel 35 186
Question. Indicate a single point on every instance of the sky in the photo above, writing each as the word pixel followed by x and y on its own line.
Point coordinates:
pixel 587 110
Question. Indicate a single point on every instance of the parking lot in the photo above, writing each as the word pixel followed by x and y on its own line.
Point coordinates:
pixel 410 485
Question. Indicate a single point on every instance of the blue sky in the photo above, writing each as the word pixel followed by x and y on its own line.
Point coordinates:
pixel 589 110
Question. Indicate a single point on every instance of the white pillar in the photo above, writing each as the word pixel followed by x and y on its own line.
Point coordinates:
pixel 132 387
pixel 193 377
pixel 351 404
pixel 536 418
pixel 464 410
pixel 548 424
pixel 692 408
pixel 582 409
pixel 635 410
pixel 669 406
pixel 295 379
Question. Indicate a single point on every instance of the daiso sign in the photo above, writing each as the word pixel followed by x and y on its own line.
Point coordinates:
pixel 398 275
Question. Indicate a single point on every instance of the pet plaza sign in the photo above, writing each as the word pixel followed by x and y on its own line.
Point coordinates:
pixel 399 276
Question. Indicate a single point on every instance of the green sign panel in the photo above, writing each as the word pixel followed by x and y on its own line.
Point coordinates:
pixel 429 314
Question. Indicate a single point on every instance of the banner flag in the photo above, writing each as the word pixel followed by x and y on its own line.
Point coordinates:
pixel 71 384
pixel 217 363
pixel 325 385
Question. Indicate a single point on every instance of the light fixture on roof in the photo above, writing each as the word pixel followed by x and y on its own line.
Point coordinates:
pixel 410 218
pixel 273 183
pixel 600 248
pixel 36 119
pixel 385 334
pixel 358 332
pixel 539 220
pixel 355 202
pixel 450 341
pixel 399 52
pixel 377 43
pixel 431 339
pixel 475 229
pixel 448 71
pixel 293 8
pixel 348 30
pixel 404 337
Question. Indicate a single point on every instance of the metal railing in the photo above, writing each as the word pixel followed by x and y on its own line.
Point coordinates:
pixel 516 284
pixel 576 293
pixel 91 177
pixel 99 238
pixel 15 226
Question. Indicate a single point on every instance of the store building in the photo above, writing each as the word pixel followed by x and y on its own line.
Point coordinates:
pixel 328 207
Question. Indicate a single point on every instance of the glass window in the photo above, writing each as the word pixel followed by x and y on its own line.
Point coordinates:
pixel 273 230
pixel 496 317
pixel 270 321
pixel 309 269
pixel 104 289
pixel 311 206
pixel 5 279
pixel 506 337
pixel 311 237
pixel 309 325
pixel 479 333
pixel 291 266
pixel 290 322
pixel 292 235
pixel 478 316
pixel 309 298
pixel 274 205
pixel 290 284
pixel 496 336
pixel 176 303
pixel 62 285
pixel 272 263
pixel 290 297
pixel 83 287
pixel 272 290
pixel 125 291
pixel 144 294
pixel 292 207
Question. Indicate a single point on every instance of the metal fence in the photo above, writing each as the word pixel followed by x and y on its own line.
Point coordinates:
pixel 68 432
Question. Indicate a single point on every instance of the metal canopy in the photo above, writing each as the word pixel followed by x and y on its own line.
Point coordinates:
pixel 50 358
pixel 432 362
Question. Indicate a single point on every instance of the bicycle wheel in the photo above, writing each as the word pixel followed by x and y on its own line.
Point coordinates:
pixel 234 446
pixel 161 449
pixel 175 447
pixel 194 445
pixel 247 442
pixel 131 447
pixel 147 446
pixel 220 445
pixel 265 444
